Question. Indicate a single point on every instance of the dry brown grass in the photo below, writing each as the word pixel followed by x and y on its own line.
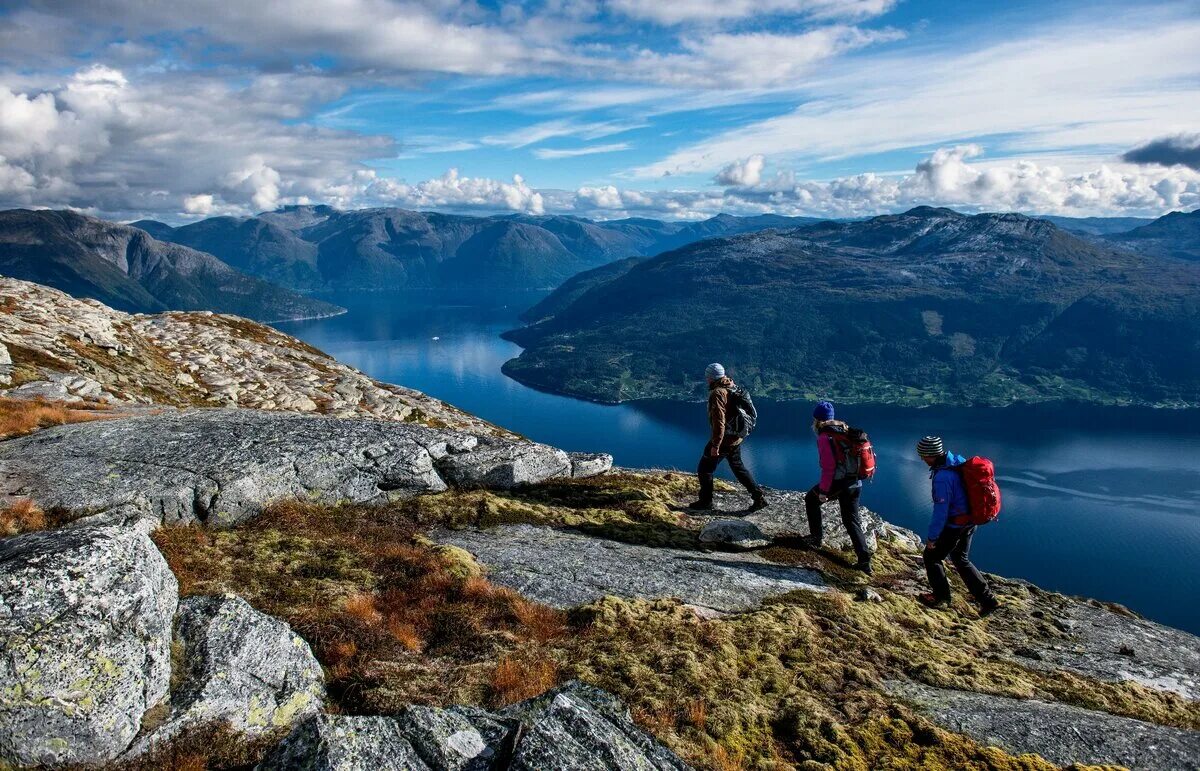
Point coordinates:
pixel 515 679
pixel 393 618
pixel 19 417
pixel 21 516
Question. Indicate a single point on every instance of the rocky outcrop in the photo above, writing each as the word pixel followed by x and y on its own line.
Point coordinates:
pixel 223 466
pixel 185 359
pixel 576 726
pixel 1060 733
pixel 85 637
pixel 564 569
pixel 571 728
pixel 239 668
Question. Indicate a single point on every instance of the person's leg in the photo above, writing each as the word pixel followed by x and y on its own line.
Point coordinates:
pixel 848 504
pixel 743 475
pixel 704 472
pixel 934 568
pixel 960 556
pixel 812 507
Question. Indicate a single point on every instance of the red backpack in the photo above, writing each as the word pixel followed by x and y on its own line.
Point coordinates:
pixel 853 453
pixel 983 494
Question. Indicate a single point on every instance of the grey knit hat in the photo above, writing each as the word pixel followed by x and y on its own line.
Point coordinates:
pixel 931 447
pixel 714 371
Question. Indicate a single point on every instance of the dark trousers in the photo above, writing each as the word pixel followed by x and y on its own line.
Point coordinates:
pixel 708 464
pixel 955 543
pixel 846 493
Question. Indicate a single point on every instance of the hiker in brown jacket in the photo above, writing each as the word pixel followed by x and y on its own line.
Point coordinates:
pixel 725 440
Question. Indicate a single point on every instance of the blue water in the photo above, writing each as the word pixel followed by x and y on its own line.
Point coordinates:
pixel 1102 502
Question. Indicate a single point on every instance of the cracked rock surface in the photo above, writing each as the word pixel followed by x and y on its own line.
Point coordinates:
pixel 222 466
pixel 85 642
pixel 242 668
pixel 1060 733
pixel 573 727
pixel 564 568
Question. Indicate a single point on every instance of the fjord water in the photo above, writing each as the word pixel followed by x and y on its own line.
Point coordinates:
pixel 1102 502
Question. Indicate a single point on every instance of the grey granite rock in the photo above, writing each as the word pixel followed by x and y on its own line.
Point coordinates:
pixel 344 743
pixel 579 728
pixel 85 641
pixel 221 466
pixel 456 739
pixel 734 533
pixel 1061 733
pixel 564 569
pixel 590 464
pixel 241 668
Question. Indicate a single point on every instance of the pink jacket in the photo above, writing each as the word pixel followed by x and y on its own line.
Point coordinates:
pixel 828 462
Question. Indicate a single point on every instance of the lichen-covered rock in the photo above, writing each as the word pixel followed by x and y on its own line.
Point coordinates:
pixel 455 739
pixel 564 569
pixel 240 668
pixel 590 464
pixel 734 533
pixel 579 728
pixel 221 466
pixel 502 465
pixel 85 641
pixel 1061 733
pixel 344 743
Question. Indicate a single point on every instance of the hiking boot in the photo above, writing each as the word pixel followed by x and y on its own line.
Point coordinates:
pixel 700 505
pixel 759 504
pixel 988 606
pixel 930 600
pixel 864 566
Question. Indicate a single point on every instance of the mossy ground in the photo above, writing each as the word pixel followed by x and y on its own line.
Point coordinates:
pixel 799 683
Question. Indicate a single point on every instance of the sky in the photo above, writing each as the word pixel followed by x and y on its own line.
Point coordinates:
pixel 672 109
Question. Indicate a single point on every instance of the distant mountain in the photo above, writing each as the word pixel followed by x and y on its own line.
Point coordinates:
pixel 575 287
pixel 1098 226
pixel 1173 235
pixel 930 306
pixel 309 248
pixel 128 269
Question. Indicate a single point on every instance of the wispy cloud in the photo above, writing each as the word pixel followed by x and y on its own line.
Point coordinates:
pixel 539 132
pixel 548 154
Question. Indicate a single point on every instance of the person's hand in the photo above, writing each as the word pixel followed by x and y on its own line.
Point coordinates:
pixel 929 546
pixel 714 451
pixel 822 497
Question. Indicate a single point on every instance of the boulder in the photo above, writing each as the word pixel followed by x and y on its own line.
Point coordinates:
pixel 220 466
pixel 565 569
pixel 344 743
pixel 502 464
pixel 734 533
pixel 85 642
pixel 576 727
pixel 241 668
pixel 455 739
pixel 590 464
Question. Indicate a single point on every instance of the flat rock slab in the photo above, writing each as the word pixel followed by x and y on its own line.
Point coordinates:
pixel 1058 732
pixel 1100 642
pixel 564 569
pixel 221 466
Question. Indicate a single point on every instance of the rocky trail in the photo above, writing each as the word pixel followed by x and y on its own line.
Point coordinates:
pixel 223 569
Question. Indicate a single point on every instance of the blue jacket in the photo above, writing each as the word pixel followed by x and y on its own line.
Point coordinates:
pixel 949 495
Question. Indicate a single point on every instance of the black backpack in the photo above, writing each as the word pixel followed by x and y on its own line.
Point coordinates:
pixel 741 417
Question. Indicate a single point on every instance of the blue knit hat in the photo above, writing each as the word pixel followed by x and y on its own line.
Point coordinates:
pixel 714 371
pixel 823 411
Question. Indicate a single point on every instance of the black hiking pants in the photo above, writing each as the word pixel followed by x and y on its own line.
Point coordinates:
pixel 846 492
pixel 708 464
pixel 955 543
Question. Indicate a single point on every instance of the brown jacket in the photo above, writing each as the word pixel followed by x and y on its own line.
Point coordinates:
pixel 718 409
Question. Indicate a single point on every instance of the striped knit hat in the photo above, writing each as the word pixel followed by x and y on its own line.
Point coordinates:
pixel 931 447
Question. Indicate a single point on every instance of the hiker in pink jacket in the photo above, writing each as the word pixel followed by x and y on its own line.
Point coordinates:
pixel 836 484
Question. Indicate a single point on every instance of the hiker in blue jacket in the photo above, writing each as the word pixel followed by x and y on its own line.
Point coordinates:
pixel 945 538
